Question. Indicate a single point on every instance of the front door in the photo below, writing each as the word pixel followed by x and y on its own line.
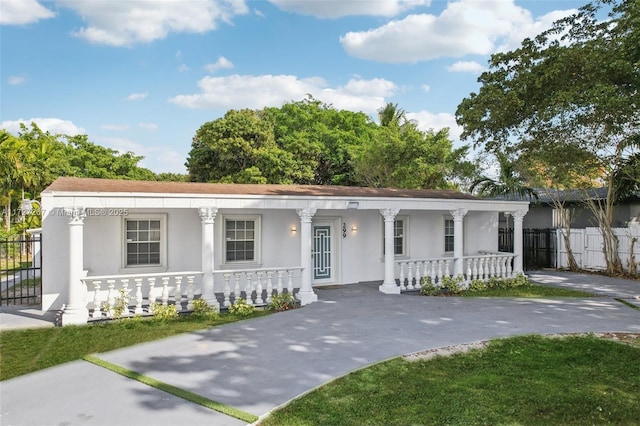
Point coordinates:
pixel 323 253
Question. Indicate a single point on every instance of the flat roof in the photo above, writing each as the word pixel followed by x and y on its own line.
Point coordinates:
pixel 73 184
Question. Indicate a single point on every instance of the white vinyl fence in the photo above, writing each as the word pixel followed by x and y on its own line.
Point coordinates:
pixel 586 245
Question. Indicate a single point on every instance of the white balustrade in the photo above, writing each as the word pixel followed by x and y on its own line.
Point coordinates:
pixel 111 290
pixel 483 266
pixel 256 286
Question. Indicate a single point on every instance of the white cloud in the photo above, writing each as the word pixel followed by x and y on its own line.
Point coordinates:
pixel 20 12
pixel 339 8
pixel 221 63
pixel 114 127
pixel 137 96
pixel 255 92
pixel 427 120
pixel 183 68
pixel 426 88
pixel 51 125
pixel 148 126
pixel 464 27
pixel 158 158
pixel 466 66
pixel 127 22
pixel 16 80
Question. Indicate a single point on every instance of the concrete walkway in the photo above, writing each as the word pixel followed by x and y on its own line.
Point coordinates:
pixel 260 364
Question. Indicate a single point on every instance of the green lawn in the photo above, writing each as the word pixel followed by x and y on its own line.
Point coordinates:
pixel 528 290
pixel 25 351
pixel 530 380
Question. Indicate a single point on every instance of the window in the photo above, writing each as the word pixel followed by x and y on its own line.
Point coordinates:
pixel 448 235
pixel 241 239
pixel 144 241
pixel 399 236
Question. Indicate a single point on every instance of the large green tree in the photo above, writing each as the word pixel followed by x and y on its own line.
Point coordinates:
pixel 34 158
pixel 402 156
pixel 239 147
pixel 576 84
pixel 322 139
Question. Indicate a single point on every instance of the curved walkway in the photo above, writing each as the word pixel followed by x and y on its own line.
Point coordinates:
pixel 260 364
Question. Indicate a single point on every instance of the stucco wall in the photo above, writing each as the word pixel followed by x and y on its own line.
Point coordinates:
pixel 359 254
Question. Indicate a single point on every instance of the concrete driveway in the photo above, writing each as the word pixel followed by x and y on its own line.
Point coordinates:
pixel 260 364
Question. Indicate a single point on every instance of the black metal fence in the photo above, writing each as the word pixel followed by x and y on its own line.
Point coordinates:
pixel 20 270
pixel 539 247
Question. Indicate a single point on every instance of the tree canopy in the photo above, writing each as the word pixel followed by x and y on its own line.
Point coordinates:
pixel 309 142
pixel 33 159
pixel 569 101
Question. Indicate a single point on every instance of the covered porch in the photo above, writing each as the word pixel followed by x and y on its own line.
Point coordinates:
pixel 293 239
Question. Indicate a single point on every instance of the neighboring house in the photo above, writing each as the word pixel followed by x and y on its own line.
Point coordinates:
pixel 168 242
pixel 543 214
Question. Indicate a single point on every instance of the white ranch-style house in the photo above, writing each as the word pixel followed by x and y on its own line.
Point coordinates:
pixel 171 242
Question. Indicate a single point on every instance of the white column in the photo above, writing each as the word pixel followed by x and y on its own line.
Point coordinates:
pixel 518 215
pixel 458 240
pixel 389 285
pixel 75 311
pixel 208 218
pixel 306 294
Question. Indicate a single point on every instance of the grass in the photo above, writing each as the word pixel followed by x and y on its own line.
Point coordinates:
pixel 529 380
pixel 28 350
pixel 528 290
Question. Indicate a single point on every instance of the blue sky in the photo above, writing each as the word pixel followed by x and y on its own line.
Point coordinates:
pixel 144 75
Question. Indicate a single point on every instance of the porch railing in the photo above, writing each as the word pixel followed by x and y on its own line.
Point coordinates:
pixel 105 291
pixel 482 266
pixel 257 286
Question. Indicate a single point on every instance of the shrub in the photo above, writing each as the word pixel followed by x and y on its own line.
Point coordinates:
pixel 164 312
pixel 120 304
pixel 202 309
pixel 477 285
pixel 241 308
pixel 282 302
pixel 521 279
pixel 453 285
pixel 427 288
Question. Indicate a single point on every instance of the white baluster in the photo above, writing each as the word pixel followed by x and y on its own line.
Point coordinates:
pixel 227 290
pixel 409 283
pixel 416 285
pixel 290 288
pixel 248 288
pixel 97 313
pixel 447 268
pixel 190 280
pixel 259 300
pixel 111 297
pixel 469 276
pixel 493 267
pixel 280 273
pixel 125 293
pixel 152 293
pixel 165 291
pixel 481 269
pixel 433 272
pixel 138 309
pixel 402 283
pixel 440 262
pixel 269 287
pixel 236 288
pixel 178 295
pixel 509 269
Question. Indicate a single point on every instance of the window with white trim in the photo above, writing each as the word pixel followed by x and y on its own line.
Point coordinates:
pixel 241 239
pixel 400 225
pixel 449 234
pixel 144 241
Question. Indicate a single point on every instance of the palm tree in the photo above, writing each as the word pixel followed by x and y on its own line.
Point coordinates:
pixel 509 182
pixel 390 115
